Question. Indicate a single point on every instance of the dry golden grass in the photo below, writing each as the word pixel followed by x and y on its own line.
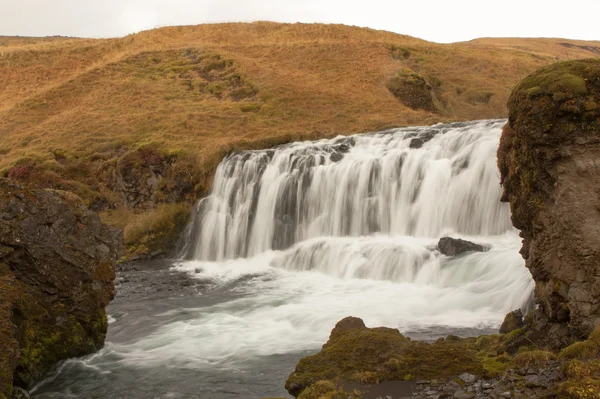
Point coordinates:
pixel 82 95
pixel 96 99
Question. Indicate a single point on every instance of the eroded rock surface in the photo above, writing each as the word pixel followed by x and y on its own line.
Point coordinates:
pixel 57 266
pixel 549 159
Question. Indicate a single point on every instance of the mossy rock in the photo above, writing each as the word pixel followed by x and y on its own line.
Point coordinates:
pixel 588 349
pixel 412 90
pixel 553 106
pixel 384 355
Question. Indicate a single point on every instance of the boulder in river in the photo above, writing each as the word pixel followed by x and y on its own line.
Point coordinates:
pixel 57 266
pixel 455 246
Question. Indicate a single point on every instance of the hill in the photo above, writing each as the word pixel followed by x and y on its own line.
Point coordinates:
pixel 136 125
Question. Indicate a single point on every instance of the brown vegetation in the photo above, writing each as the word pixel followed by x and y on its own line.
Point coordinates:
pixel 70 108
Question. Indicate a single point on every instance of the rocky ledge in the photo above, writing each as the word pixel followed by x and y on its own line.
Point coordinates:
pixel 57 270
pixel 549 162
pixel 371 363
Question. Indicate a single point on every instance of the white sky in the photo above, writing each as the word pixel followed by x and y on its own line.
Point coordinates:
pixel 435 20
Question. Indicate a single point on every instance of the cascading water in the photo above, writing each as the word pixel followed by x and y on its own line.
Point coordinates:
pixel 293 239
pixel 354 186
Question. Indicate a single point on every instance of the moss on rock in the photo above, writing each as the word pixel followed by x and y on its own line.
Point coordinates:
pixel 588 349
pixel 57 265
pixel 413 90
pixel 546 159
pixel 383 354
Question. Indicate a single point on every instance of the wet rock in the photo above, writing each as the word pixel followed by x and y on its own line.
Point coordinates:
pixel 336 157
pixel 512 321
pixel 455 246
pixel 416 143
pixel 57 266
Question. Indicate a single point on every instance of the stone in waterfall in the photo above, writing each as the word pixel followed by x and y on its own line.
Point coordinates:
pixel 57 266
pixel 549 162
pixel 455 246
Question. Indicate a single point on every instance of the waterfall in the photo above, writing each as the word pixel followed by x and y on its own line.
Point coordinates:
pixel 421 182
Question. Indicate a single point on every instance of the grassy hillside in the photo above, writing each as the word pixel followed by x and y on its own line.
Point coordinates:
pixel 102 117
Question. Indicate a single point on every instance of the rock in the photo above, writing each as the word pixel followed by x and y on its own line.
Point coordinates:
pixel 412 90
pixel 355 352
pixel 468 378
pixel 533 381
pixel 512 321
pixel 452 386
pixel 416 143
pixel 455 246
pixel 57 266
pixel 506 395
pixel 461 394
pixel 548 161
pixel 20 393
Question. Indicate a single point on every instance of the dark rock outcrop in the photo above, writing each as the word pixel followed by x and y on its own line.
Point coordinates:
pixel 412 90
pixel 455 246
pixel 549 162
pixel 149 175
pixel 513 321
pixel 57 266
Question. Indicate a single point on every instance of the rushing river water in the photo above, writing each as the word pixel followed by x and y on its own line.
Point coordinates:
pixel 293 239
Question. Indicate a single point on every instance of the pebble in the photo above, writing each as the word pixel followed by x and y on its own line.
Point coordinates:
pixel 468 378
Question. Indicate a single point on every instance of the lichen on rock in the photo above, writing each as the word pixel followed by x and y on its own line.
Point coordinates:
pixel 57 266
pixel 548 159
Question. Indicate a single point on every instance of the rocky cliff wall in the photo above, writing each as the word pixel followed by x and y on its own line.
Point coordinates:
pixel 549 159
pixel 57 266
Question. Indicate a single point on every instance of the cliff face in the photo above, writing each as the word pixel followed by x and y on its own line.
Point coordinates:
pixel 57 266
pixel 549 159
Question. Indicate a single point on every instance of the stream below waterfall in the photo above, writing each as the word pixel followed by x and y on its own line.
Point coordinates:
pixel 293 239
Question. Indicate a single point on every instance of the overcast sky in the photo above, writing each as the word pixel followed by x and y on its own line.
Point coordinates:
pixel 435 20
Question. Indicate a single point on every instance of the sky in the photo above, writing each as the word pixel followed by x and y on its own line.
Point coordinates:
pixel 434 20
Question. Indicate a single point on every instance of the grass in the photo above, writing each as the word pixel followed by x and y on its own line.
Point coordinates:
pixel 203 91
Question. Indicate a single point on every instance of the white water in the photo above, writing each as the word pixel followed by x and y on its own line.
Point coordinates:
pixel 294 239
pixel 303 239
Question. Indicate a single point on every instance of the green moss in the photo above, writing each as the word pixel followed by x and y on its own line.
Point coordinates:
pixel 325 390
pixel 532 357
pixel 495 366
pixel 567 78
pixel 384 354
pixel 582 380
pixel 47 335
pixel 585 349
